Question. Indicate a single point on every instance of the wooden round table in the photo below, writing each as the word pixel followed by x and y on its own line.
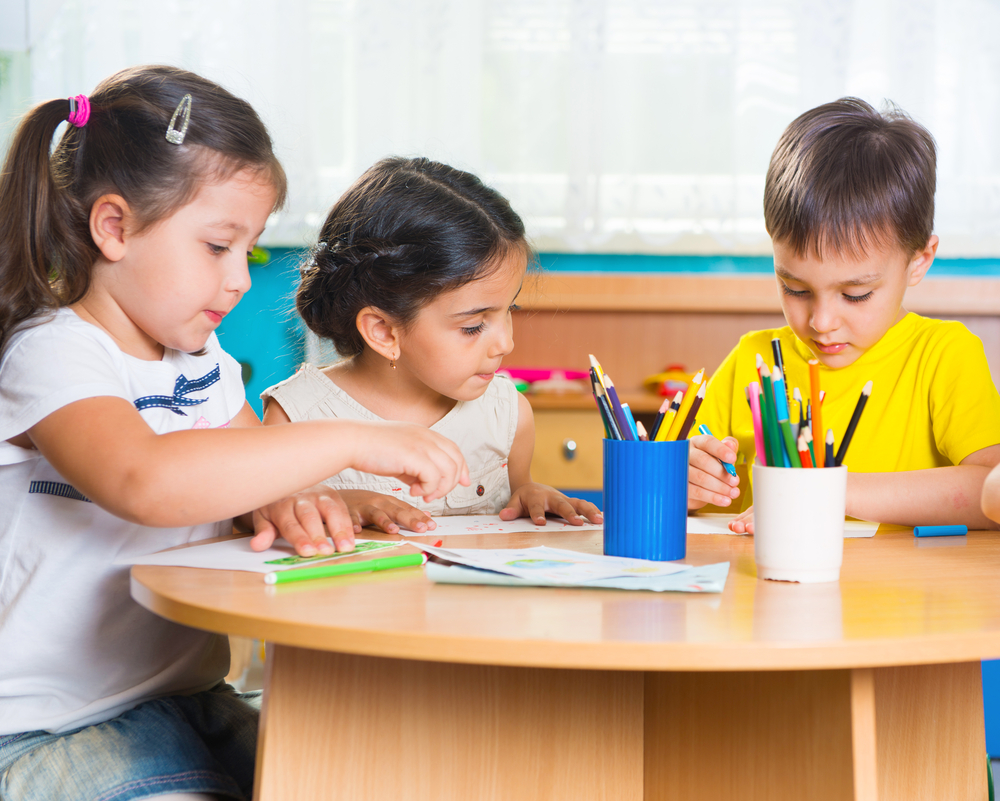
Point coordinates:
pixel 386 686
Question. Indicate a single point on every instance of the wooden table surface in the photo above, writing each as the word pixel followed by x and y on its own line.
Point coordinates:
pixel 866 689
pixel 900 601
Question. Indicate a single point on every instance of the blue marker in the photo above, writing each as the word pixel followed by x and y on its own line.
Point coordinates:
pixel 940 531
pixel 703 429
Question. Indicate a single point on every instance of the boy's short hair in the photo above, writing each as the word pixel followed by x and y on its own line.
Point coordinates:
pixel 847 177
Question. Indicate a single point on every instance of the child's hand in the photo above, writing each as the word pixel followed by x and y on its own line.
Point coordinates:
pixel 742 523
pixel 708 481
pixel 300 518
pixel 386 512
pixel 431 464
pixel 534 500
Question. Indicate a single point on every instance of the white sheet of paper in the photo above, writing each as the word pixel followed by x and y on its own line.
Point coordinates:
pixel 235 554
pixel 554 564
pixel 492 524
pixel 719 524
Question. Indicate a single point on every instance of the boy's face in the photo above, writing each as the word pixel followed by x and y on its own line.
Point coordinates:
pixel 841 306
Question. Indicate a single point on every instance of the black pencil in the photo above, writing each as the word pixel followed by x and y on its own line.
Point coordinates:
pixel 849 434
pixel 658 420
pixel 610 424
pixel 692 412
pixel 829 449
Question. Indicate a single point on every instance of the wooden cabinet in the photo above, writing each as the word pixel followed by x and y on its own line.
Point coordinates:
pixel 568 448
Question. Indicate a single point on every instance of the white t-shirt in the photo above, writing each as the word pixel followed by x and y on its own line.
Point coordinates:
pixel 75 649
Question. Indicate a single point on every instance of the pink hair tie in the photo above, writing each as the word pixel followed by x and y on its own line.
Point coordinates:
pixel 79 111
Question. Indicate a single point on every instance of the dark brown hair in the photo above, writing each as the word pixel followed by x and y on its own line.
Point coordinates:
pixel 46 251
pixel 849 178
pixel 406 231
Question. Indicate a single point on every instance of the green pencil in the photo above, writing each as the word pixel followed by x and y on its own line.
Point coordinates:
pixel 325 571
pixel 793 453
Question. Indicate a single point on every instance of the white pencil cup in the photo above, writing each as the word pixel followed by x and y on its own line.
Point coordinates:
pixel 798 520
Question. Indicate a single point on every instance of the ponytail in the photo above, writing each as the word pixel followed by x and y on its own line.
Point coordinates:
pixel 45 247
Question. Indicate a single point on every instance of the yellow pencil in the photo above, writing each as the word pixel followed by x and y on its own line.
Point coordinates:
pixel 689 396
pixel 668 417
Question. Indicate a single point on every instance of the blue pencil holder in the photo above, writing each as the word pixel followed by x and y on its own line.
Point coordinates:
pixel 645 499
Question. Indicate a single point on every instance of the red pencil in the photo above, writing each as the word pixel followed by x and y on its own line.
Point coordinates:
pixel 803 448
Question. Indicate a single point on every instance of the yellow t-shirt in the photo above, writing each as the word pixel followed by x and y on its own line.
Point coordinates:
pixel 933 401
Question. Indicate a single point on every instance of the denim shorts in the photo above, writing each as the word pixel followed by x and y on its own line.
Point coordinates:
pixel 202 743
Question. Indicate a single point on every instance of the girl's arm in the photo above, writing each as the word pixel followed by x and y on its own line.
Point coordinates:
pixel 104 448
pixel 532 500
pixel 934 497
pixel 363 507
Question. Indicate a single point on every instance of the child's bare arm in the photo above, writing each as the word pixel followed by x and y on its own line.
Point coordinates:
pixel 364 507
pixel 105 449
pixel 532 500
pixel 937 496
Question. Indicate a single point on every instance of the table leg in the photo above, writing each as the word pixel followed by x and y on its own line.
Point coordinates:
pixel 338 726
pixel 891 734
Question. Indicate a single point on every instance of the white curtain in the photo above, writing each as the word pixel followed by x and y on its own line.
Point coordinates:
pixel 628 126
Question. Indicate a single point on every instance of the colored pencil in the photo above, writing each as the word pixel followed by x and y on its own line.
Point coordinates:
pixel 668 418
pixel 804 454
pixel 845 443
pixel 704 429
pixel 640 430
pixel 658 420
pixel 817 411
pixel 797 395
pixel 692 414
pixel 616 407
pixel 758 428
pixel 630 419
pixel 780 395
pixel 779 365
pixel 809 444
pixel 829 449
pixel 772 433
pixel 682 413
pixel 790 450
pixel 596 367
pixel 601 401
pixel 760 369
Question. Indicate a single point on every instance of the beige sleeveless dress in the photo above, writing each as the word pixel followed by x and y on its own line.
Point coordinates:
pixel 483 429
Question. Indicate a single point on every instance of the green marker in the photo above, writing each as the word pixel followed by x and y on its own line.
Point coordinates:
pixel 325 571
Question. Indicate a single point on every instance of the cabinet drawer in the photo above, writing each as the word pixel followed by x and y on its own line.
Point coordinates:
pixel 555 461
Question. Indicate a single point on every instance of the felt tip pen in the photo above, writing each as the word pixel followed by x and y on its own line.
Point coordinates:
pixel 325 571
pixel 703 429
pixel 940 531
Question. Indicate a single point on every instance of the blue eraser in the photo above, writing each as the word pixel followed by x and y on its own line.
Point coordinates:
pixel 940 531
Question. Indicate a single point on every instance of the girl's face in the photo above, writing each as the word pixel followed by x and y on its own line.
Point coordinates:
pixel 178 279
pixel 456 343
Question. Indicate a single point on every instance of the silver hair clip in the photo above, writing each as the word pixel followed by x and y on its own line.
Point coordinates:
pixel 183 110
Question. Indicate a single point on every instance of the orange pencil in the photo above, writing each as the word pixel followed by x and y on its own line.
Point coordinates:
pixel 817 408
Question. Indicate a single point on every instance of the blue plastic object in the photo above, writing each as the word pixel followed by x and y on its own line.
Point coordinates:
pixel 940 531
pixel 645 499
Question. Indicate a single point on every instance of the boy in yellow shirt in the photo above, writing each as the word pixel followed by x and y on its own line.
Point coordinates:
pixel 849 206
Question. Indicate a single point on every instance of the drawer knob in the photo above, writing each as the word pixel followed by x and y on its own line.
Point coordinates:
pixel 569 449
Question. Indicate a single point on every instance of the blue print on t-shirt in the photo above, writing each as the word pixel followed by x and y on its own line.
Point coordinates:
pixel 182 387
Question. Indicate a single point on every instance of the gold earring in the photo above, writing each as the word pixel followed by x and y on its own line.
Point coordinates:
pixel 392 363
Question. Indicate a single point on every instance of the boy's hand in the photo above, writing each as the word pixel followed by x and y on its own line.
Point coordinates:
pixel 708 481
pixel 534 500
pixel 385 512
pixel 300 519
pixel 743 522
pixel 430 464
